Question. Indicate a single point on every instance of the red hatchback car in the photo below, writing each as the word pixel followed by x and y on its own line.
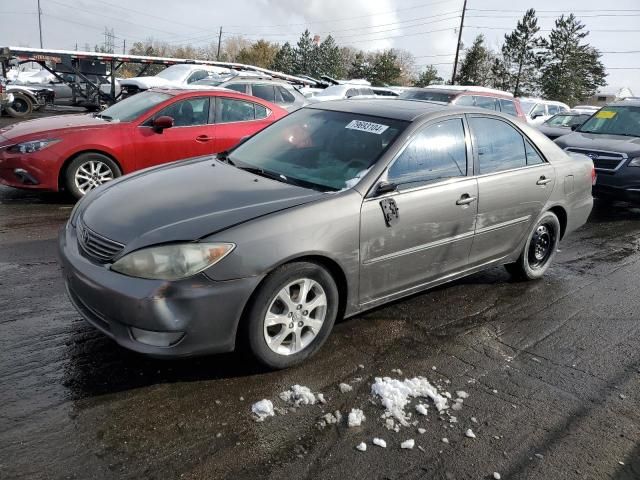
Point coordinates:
pixel 80 152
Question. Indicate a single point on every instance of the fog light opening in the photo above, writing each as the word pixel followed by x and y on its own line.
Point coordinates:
pixel 156 339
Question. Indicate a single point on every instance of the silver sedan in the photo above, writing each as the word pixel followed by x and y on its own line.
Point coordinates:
pixel 333 210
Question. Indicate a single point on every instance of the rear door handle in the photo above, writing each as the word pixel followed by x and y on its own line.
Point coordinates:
pixel 543 180
pixel 466 199
pixel 203 138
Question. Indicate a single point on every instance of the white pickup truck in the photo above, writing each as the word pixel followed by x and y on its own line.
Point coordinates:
pixel 174 76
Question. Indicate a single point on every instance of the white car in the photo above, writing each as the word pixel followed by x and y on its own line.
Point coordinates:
pixel 537 111
pixel 174 76
pixel 590 109
pixel 340 92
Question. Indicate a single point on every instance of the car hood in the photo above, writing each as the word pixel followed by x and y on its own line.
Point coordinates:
pixel 554 131
pixel 185 201
pixel 591 141
pixel 49 125
pixel 148 82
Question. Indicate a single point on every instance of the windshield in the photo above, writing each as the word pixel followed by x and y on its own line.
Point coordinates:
pixel 563 120
pixel 618 120
pixel 527 106
pixel 174 73
pixel 132 107
pixel 429 95
pixel 319 149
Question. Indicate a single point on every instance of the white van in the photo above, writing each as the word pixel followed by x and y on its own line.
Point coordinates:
pixel 537 111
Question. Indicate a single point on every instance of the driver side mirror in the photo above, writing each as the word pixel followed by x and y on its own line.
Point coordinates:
pixel 574 127
pixel 385 187
pixel 162 123
pixel 536 115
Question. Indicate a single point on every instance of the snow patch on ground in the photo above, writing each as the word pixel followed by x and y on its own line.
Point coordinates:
pixel 345 387
pixel 299 395
pixel 408 444
pixel 262 409
pixel 362 447
pixel 396 394
pixel 380 442
pixel 356 417
pixel 469 433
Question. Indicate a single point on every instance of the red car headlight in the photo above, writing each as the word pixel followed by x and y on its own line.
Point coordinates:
pixel 32 146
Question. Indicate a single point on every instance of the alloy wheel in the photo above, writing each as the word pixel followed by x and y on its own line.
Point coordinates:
pixel 92 174
pixel 295 316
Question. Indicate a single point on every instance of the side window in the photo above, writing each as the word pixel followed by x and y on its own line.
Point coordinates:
pixel 488 103
pixel 238 87
pixel 231 110
pixel 500 146
pixel 465 101
pixel 287 96
pixel 264 92
pixel 538 110
pixel 553 109
pixel 261 111
pixel 197 75
pixel 187 113
pixel 437 152
pixel 533 157
pixel 352 92
pixel 366 91
pixel 508 106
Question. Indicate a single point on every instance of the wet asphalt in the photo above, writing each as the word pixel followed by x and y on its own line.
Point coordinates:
pixel 552 369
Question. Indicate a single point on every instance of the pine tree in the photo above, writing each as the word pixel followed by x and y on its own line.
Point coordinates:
pixel 360 67
pixel 285 59
pixel 499 75
pixel 304 53
pixel 428 77
pixel 520 55
pixel 476 66
pixel 386 70
pixel 330 58
pixel 572 70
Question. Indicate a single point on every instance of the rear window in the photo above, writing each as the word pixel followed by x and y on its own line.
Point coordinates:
pixel 488 103
pixel 508 106
pixel 428 95
pixel 264 92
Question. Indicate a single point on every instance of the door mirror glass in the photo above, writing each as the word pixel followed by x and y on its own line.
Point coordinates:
pixel 162 123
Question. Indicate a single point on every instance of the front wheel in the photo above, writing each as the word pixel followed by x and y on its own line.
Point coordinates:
pixel 21 106
pixel 88 171
pixel 292 314
pixel 538 252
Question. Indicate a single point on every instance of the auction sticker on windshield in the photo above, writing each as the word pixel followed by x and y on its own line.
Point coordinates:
pixel 607 114
pixel 366 126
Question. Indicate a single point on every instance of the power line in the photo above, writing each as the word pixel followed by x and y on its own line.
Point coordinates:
pixel 550 30
pixel 606 10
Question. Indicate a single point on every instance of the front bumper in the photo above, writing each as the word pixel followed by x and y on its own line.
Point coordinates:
pixel 37 170
pixel 608 192
pixel 208 312
pixel 622 185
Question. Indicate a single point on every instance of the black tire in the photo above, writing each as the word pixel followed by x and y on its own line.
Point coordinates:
pixel 253 328
pixel 21 106
pixel 81 160
pixel 539 250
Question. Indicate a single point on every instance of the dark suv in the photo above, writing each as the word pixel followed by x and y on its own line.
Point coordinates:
pixel 611 137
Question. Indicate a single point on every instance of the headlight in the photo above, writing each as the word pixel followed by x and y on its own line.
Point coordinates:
pixel 32 146
pixel 172 262
pixel 635 162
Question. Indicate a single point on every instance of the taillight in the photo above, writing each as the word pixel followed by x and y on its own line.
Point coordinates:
pixel 594 176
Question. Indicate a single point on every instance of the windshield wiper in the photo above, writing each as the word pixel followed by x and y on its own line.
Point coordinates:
pixel 266 173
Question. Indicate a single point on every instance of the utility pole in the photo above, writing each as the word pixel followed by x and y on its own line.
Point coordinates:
pixel 455 62
pixel 220 43
pixel 40 22
pixel 124 46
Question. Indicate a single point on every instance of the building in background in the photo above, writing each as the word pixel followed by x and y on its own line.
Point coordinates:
pixel 606 96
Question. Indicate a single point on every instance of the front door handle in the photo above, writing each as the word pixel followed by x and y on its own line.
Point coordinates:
pixel 203 138
pixel 466 199
pixel 544 180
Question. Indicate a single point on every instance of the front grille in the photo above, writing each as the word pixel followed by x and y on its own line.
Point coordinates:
pixel 603 161
pixel 97 246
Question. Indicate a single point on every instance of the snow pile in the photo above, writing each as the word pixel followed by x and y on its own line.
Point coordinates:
pixel 332 418
pixel 462 394
pixel 380 442
pixel 299 395
pixel 345 387
pixel 497 476
pixel 396 394
pixel 262 409
pixel 356 417
pixel 362 447
pixel 408 444
pixel 469 433
pixel 421 409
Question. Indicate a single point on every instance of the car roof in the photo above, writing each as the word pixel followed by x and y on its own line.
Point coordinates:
pixel 468 90
pixel 396 109
pixel 625 103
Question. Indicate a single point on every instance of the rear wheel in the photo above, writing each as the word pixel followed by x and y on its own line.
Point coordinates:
pixel 538 252
pixel 21 106
pixel 88 171
pixel 291 315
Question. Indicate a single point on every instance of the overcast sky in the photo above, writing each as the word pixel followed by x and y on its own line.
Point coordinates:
pixel 427 28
